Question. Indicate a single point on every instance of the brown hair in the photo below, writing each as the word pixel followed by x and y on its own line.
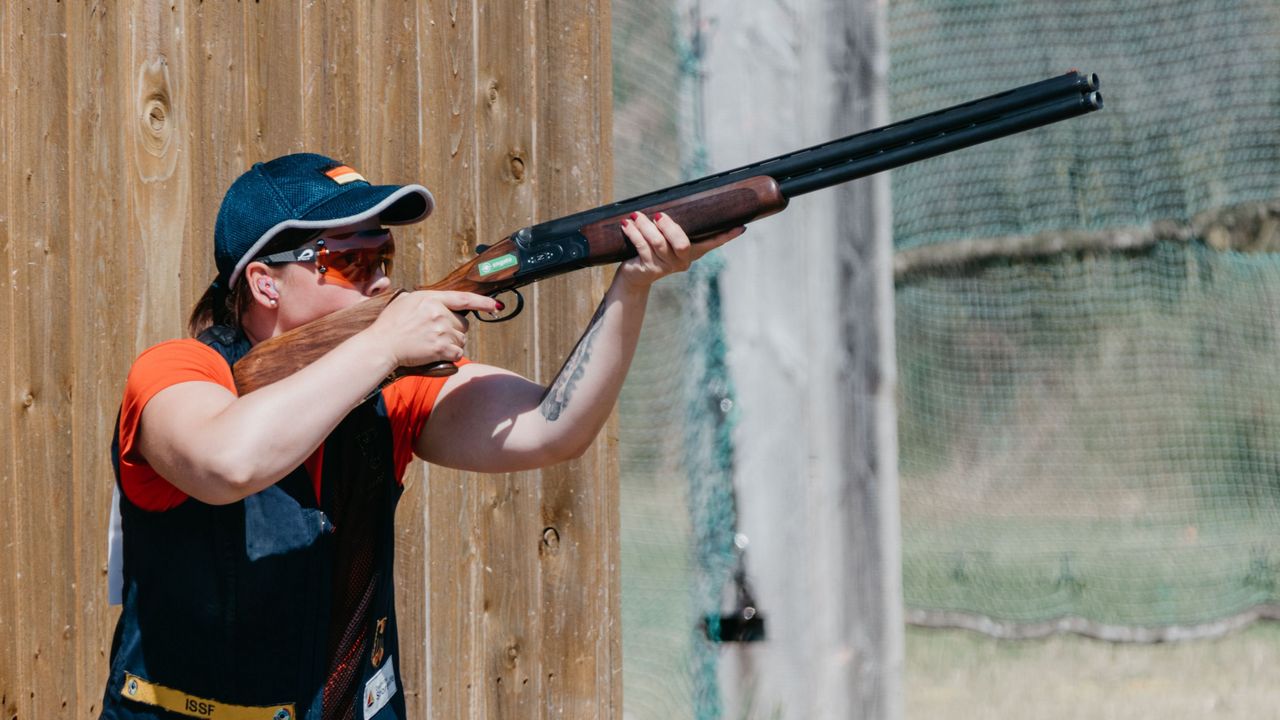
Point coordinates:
pixel 221 305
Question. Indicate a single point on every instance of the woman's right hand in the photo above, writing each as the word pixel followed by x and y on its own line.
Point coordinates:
pixel 427 326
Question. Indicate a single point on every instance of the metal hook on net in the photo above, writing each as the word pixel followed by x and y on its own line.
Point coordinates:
pixel 745 623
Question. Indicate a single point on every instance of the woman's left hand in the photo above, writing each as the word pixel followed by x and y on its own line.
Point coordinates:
pixel 662 248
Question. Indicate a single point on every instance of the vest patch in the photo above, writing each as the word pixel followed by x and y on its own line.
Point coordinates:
pixel 375 657
pixel 379 690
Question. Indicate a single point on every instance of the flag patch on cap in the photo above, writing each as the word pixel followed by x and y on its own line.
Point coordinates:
pixel 343 175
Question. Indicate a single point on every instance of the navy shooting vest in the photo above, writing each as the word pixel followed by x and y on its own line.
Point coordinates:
pixel 247 610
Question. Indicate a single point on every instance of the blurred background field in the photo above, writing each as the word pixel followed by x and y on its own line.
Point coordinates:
pixel 960 674
pixel 1088 395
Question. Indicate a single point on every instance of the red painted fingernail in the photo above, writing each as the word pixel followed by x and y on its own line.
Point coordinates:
pixel 657 217
pixel 499 304
pixel 635 215
pixel 625 222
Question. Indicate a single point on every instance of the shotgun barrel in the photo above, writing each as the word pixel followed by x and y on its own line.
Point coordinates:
pixel 1006 113
pixel 942 142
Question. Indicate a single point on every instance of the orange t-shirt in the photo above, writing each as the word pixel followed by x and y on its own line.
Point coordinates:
pixel 408 401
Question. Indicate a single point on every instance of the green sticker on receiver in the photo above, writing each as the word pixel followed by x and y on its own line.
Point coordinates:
pixel 489 267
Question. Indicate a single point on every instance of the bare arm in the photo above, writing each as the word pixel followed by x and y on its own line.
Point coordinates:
pixel 491 420
pixel 219 448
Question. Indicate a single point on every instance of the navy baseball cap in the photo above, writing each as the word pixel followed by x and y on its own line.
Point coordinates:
pixel 303 191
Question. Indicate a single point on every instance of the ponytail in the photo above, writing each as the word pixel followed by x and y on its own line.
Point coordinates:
pixel 221 305
pixel 218 306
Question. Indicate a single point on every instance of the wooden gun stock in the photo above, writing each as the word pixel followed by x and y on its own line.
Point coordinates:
pixel 287 353
pixel 514 262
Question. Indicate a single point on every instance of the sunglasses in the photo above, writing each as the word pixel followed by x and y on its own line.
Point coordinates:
pixel 349 266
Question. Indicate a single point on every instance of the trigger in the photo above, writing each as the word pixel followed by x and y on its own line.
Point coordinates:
pixel 513 307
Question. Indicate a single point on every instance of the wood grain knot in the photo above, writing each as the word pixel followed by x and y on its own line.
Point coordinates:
pixel 551 540
pixel 464 241
pixel 154 111
pixel 493 92
pixel 28 400
pixel 155 133
pixel 157 121
pixel 156 115
pixel 516 164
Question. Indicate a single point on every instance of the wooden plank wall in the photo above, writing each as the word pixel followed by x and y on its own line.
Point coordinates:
pixel 123 125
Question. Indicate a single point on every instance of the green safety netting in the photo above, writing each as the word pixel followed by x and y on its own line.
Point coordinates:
pixel 1088 439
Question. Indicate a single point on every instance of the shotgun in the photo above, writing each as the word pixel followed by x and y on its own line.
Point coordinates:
pixel 702 207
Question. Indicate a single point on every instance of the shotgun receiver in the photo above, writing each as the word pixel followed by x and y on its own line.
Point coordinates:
pixel 702 207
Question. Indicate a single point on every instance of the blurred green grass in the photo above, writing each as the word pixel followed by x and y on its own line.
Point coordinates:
pixel 960 675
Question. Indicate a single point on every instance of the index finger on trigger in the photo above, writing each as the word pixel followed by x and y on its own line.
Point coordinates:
pixel 461 302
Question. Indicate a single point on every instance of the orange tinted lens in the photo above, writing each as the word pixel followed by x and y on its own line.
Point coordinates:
pixel 357 265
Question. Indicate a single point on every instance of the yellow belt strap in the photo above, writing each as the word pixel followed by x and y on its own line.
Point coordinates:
pixel 140 690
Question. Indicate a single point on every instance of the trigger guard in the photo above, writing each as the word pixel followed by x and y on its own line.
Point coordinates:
pixel 519 306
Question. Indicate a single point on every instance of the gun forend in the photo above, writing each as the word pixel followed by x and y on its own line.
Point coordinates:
pixel 549 249
pixel 700 216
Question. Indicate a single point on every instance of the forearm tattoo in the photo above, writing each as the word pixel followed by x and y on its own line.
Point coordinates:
pixel 556 398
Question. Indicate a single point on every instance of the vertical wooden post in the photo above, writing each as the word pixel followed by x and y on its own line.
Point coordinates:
pixel 103 316
pixel 866 381
pixel 523 571
pixel 11 704
pixel 42 366
pixel 808 313
pixel 272 65
pixel 578 512
pixel 217 131
pixel 506 678
pixel 440 603
pixel 11 512
pixel 156 135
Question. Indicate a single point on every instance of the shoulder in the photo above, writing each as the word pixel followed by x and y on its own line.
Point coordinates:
pixel 162 366
pixel 187 352
pixel 176 361
pixel 409 402
pixel 410 399
pixel 155 369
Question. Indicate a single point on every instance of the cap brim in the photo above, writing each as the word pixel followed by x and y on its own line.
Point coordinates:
pixel 391 204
